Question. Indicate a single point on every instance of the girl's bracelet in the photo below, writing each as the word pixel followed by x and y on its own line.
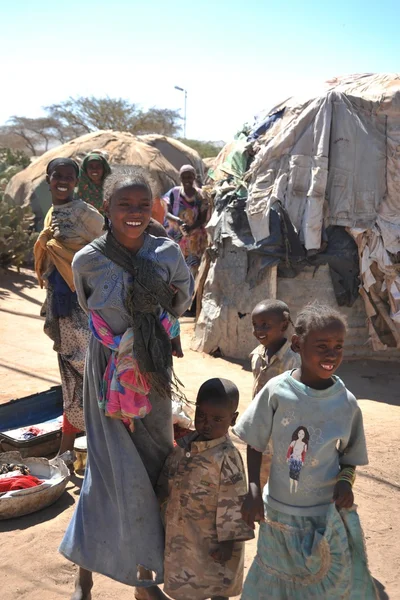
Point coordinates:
pixel 347 474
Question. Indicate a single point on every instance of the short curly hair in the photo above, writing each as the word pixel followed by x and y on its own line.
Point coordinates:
pixel 316 316
pixel 222 391
pixel 274 306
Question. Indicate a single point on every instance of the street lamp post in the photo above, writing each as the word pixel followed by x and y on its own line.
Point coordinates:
pixel 184 115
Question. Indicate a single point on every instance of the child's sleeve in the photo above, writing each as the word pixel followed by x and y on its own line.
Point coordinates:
pixel 293 361
pixel 353 447
pixel 231 494
pixel 255 425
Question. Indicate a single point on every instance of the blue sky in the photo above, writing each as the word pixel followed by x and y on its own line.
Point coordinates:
pixel 234 58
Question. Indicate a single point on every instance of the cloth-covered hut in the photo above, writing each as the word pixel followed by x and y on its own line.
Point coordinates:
pixel 30 187
pixel 176 152
pixel 307 206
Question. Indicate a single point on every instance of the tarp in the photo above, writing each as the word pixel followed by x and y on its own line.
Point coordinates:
pixel 334 157
pixel 334 160
pixel 322 189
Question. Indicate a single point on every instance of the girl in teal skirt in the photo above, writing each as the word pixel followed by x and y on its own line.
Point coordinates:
pixel 310 542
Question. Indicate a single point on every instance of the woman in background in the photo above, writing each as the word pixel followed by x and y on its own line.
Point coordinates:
pixel 69 225
pixel 185 218
pixel 93 171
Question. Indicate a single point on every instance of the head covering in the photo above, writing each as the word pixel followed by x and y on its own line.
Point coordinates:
pixel 187 169
pixel 91 192
pixel 219 389
pixel 62 162
pixel 94 156
pixel 101 152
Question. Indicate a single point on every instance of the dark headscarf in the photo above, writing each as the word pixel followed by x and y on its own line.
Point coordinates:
pixel 62 162
pixel 91 192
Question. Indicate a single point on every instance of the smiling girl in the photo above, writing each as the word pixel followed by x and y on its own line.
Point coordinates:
pixel 133 287
pixel 69 226
pixel 93 171
pixel 310 542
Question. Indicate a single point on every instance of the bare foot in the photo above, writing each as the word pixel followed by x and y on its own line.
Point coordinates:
pixel 150 593
pixel 79 594
pixel 83 585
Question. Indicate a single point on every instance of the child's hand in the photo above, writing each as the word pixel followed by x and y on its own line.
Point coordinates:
pixel 253 506
pixel 223 552
pixel 343 495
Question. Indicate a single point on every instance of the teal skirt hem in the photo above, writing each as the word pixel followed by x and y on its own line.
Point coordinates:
pixel 306 558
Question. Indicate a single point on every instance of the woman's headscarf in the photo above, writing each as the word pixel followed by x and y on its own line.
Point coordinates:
pixel 91 192
pixel 62 162
pixel 187 169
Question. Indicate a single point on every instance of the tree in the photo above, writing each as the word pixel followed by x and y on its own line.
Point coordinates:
pixel 162 121
pixel 84 115
pixel 10 140
pixel 77 116
pixel 89 114
pixel 205 149
pixel 36 133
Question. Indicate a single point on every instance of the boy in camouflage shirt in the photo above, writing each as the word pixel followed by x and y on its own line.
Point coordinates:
pixel 205 484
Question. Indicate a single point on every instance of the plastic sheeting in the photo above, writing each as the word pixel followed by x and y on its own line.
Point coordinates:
pixel 224 324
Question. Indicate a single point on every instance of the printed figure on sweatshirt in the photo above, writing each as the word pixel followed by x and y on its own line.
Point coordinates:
pixel 296 455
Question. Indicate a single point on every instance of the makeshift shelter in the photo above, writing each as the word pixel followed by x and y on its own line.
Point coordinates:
pixel 209 162
pixel 29 185
pixel 307 206
pixel 177 153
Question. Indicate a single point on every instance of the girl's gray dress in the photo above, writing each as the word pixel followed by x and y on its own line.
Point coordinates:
pixel 116 526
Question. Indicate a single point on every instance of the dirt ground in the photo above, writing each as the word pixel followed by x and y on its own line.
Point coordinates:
pixel 30 564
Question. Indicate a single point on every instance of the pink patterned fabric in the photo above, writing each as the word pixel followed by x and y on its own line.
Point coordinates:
pixel 125 389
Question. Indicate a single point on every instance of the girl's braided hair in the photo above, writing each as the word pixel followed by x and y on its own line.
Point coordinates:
pixel 316 316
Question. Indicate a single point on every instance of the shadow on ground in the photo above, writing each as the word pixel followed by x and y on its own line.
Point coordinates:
pixel 381 590
pixel 14 282
pixel 366 379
